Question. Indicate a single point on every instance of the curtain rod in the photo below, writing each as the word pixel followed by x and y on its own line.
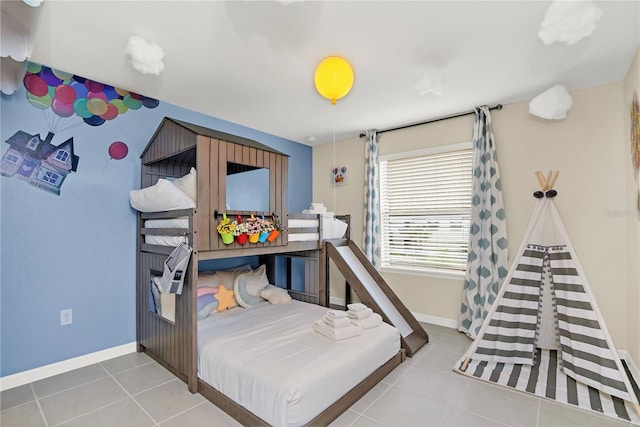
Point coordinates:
pixel 497 107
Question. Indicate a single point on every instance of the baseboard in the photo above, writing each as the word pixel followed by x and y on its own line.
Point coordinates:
pixel 434 320
pixel 26 377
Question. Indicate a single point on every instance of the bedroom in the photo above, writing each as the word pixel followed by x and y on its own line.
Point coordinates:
pixel 590 148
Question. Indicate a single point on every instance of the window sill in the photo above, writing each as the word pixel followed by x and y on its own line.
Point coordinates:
pixel 440 274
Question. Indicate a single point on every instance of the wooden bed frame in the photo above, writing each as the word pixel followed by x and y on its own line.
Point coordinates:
pixel 174 149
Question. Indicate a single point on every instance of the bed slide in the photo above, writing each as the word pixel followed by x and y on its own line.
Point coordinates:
pixel 373 291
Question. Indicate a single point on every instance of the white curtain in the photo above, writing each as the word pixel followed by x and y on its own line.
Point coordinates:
pixel 371 235
pixel 488 259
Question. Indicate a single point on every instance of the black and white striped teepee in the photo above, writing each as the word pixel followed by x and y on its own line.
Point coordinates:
pixel 544 333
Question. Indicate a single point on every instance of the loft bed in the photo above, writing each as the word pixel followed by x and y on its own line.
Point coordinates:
pixel 176 148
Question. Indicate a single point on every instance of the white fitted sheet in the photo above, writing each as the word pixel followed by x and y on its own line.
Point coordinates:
pixel 269 360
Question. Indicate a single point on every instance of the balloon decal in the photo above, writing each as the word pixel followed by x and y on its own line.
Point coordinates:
pixel 118 150
pixel 68 95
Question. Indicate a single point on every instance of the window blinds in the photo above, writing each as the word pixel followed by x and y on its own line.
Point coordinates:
pixel 425 204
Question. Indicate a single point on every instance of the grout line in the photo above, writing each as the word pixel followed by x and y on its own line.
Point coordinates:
pixel 538 412
pixel 126 370
pixel 90 412
pixel 187 410
pixel 69 389
pixel 135 401
pixel 155 386
pixel 44 419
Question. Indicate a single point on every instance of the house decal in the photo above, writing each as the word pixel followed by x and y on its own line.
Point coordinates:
pixel 38 162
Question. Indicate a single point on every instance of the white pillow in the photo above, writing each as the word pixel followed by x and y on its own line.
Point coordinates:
pixel 163 196
pixel 188 184
pixel 256 280
pixel 275 295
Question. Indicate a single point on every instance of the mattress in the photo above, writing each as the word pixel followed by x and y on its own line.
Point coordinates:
pixel 269 360
pixel 182 222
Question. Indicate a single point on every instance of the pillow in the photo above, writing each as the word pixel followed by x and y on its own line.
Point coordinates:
pixel 163 196
pixel 188 184
pixel 155 293
pixel 204 290
pixel 256 280
pixel 241 293
pixel 205 299
pixel 279 298
pixel 271 290
pixel 275 295
pixel 243 267
pixel 225 298
pixel 225 278
pixel 206 310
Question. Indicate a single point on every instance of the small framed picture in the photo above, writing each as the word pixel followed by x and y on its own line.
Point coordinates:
pixel 339 175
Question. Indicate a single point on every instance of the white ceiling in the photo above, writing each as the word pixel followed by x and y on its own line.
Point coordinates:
pixel 252 62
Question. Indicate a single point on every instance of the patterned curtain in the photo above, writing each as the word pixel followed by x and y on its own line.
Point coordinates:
pixel 371 235
pixel 488 259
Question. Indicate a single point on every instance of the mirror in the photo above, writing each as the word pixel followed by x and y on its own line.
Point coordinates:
pixel 247 188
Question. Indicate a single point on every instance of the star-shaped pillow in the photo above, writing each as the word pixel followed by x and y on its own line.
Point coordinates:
pixel 226 298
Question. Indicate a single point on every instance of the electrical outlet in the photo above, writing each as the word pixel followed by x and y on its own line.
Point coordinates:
pixel 65 317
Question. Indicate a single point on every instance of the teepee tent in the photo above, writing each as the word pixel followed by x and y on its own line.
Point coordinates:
pixel 544 333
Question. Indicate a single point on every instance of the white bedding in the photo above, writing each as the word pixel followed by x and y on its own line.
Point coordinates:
pixel 182 222
pixel 269 360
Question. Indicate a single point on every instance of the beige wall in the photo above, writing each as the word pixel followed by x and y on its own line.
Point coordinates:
pixel 631 83
pixel 585 147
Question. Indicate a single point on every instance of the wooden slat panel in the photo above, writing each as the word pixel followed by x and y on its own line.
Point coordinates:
pixel 252 157
pixel 203 159
pixel 245 155
pixel 170 138
pixel 231 150
pixel 214 192
pixel 238 153
pixel 273 182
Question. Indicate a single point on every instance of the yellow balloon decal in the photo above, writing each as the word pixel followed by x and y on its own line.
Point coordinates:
pixel 333 78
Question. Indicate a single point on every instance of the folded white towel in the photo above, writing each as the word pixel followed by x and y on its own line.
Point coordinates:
pixel 369 322
pixel 362 314
pixel 356 306
pixel 339 322
pixel 336 313
pixel 336 334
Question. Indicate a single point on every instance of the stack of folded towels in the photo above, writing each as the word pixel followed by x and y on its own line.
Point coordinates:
pixel 362 316
pixel 338 325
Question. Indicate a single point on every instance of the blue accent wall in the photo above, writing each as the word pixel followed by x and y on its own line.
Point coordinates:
pixel 77 250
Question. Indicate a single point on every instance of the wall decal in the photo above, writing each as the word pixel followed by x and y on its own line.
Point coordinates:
pixel 340 175
pixel 37 162
pixel 66 97
pixel 118 150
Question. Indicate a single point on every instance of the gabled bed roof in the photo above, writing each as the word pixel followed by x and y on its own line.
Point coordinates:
pixel 211 133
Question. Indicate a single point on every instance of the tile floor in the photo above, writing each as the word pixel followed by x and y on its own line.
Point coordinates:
pixel 133 390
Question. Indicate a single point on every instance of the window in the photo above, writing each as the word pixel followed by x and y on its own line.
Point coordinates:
pixel 425 208
pixel 33 143
pixel 62 156
pixel 12 158
pixel 50 177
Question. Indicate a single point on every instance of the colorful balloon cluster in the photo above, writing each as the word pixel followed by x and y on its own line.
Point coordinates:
pixel 68 94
